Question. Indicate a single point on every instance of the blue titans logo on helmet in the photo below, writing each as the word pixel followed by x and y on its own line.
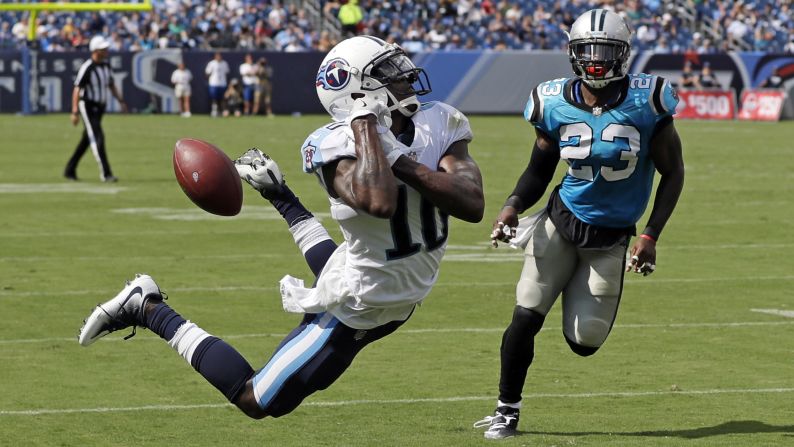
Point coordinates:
pixel 333 75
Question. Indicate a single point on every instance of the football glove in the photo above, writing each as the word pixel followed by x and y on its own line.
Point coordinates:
pixel 368 106
pixel 260 171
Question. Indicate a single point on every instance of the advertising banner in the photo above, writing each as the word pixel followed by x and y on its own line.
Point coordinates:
pixel 706 104
pixel 761 105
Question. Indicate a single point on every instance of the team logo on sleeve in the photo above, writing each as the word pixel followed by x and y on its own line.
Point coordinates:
pixel 308 156
pixel 333 75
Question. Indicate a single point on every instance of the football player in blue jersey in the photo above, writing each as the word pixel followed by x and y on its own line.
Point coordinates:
pixel 614 130
pixel 394 170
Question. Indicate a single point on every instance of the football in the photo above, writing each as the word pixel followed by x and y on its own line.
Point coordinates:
pixel 208 177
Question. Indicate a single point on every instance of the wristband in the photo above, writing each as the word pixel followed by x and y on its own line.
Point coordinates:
pixel 648 237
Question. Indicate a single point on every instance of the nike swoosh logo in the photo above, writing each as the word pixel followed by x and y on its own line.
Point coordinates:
pixel 133 292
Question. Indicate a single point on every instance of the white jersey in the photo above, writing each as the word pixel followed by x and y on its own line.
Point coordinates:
pixel 181 78
pixel 389 264
pixel 217 71
pixel 249 73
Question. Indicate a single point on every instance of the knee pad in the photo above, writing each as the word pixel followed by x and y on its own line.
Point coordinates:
pixel 581 350
pixel 527 321
pixel 589 335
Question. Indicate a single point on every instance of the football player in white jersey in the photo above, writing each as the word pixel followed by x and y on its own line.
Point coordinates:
pixel 393 170
pixel 614 130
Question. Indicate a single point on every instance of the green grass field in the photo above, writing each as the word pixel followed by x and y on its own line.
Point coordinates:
pixel 701 354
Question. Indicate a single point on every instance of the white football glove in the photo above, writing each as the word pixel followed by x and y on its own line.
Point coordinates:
pixel 369 106
pixel 260 171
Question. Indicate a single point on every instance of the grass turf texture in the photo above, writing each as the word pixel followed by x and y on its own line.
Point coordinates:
pixel 688 362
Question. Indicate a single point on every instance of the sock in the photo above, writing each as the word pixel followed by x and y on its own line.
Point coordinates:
pixel 517 353
pixel 290 208
pixel 220 364
pixel 515 406
pixel 314 242
pixel 164 321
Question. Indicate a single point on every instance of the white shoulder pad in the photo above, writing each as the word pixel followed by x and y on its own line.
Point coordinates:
pixel 454 123
pixel 327 144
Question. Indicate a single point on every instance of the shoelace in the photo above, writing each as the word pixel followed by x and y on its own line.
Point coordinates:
pixel 494 422
pixel 485 422
pixel 121 322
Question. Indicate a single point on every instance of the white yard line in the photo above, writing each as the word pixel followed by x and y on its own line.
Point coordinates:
pixel 497 330
pixel 48 188
pixel 779 312
pixel 638 280
pixel 430 400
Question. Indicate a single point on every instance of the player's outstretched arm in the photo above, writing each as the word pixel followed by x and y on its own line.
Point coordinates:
pixel 530 187
pixel 668 159
pixel 456 188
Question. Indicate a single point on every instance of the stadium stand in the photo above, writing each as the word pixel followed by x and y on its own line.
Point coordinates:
pixel 665 26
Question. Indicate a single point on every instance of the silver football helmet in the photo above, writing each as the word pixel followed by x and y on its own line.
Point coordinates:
pixel 365 66
pixel 599 47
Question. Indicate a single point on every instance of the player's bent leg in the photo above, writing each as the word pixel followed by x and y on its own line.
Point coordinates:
pixel 140 303
pixel 310 359
pixel 591 299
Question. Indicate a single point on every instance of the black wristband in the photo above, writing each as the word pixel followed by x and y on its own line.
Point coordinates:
pixel 515 202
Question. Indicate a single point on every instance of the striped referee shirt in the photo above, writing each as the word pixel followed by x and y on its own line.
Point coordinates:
pixel 94 80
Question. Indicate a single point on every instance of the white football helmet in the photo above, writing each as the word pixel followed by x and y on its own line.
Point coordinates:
pixel 364 66
pixel 599 47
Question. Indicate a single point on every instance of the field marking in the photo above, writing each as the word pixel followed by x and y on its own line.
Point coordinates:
pixel 651 280
pixel 780 312
pixel 11 293
pixel 497 330
pixel 47 188
pixel 431 400
pixel 196 214
pixel 107 258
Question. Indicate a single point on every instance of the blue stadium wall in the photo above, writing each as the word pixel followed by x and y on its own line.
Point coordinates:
pixel 475 82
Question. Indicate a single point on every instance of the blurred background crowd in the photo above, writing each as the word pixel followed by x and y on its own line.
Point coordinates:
pixel 665 26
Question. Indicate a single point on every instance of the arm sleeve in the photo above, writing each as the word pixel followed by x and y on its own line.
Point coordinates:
pixel 536 177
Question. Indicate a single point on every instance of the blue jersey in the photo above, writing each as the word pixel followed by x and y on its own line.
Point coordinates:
pixel 610 171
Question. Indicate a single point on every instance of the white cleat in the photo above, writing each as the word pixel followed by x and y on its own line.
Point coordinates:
pixel 261 172
pixel 122 311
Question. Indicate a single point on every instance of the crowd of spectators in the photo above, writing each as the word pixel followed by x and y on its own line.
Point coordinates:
pixel 185 24
pixel 703 26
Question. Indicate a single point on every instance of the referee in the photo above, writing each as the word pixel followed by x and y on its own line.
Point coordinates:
pixel 89 98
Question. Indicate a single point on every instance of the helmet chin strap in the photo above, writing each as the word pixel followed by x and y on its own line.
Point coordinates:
pixel 408 106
